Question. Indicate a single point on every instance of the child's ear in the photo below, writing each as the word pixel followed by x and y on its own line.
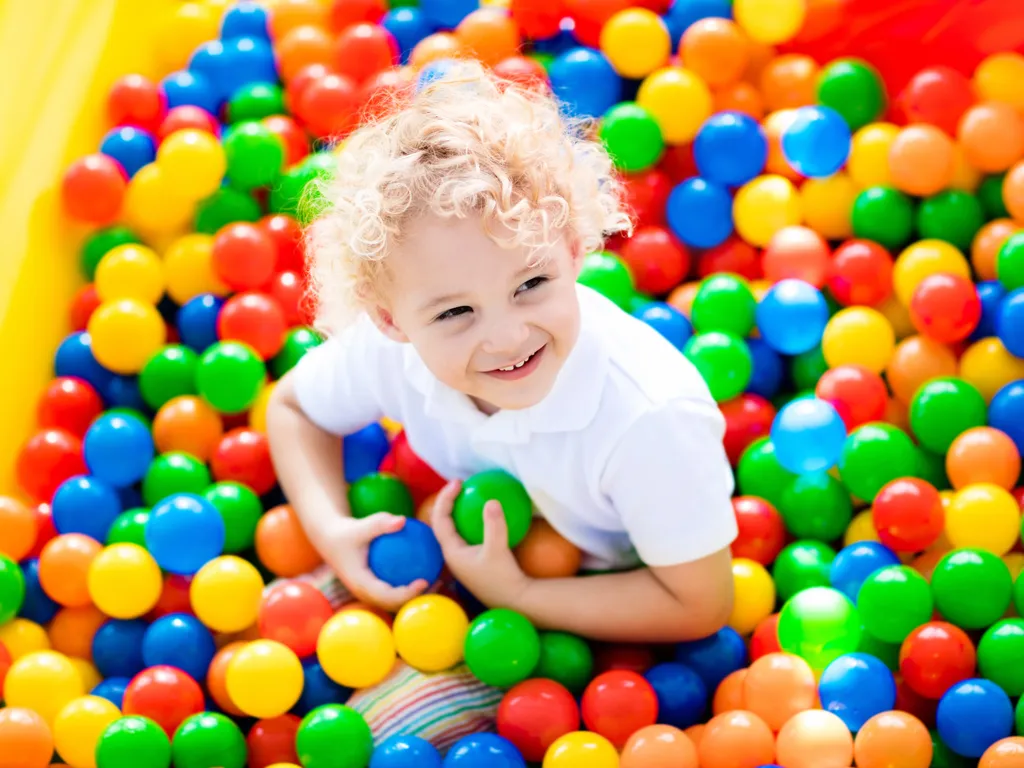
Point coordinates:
pixel 576 255
pixel 385 321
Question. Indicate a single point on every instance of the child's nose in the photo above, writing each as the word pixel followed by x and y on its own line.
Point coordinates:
pixel 507 338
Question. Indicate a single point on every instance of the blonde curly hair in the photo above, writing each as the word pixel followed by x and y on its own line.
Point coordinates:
pixel 466 144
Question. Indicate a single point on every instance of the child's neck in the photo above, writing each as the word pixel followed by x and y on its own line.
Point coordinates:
pixel 484 407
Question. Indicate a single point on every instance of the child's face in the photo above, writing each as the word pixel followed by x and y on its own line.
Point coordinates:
pixel 483 321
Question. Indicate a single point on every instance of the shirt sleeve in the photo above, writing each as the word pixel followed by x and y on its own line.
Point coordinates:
pixel 670 481
pixel 338 383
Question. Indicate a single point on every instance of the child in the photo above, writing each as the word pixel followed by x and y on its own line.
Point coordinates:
pixel 444 270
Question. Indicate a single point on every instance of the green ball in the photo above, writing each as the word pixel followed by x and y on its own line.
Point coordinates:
pixel 502 648
pixel 167 374
pixel 954 216
pixel 255 155
pixel 806 368
pixel 1001 655
pixel 873 455
pixel 380 492
pixel 972 588
pixel 607 274
pixel 241 509
pixel 893 601
pixel 97 245
pixel 12 588
pixel 724 303
pixel 289 193
pixel 230 376
pixel 174 472
pixel 854 89
pixel 480 488
pixel 887 653
pixel 297 342
pixel 208 740
pixel 632 137
pixel 990 193
pixel 816 506
pixel 942 409
pixel 759 472
pixel 932 467
pixel 223 207
pixel 255 101
pixel 1010 262
pixel 334 736
pixel 884 215
pixel 129 528
pixel 133 741
pixel 566 659
pixel 802 565
pixel 944 757
pixel 724 360
pixel 819 625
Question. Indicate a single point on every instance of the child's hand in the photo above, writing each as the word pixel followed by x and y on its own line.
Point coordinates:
pixel 345 543
pixel 490 570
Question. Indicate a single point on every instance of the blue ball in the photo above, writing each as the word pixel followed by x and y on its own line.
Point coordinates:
pixel 768 372
pixel 187 87
pixel 730 149
pixel 117 648
pixel 792 316
pixel 245 19
pixel 85 504
pixel 405 752
pixel 402 557
pixel 973 715
pixel 111 689
pixel 853 564
pixel 408 26
pixel 1006 412
pixel 816 142
pixel 483 750
pixel 37 605
pixel 714 658
pixel 699 212
pixel 684 13
pixel 131 147
pixel 1010 322
pixel 179 640
pixel 446 14
pixel 808 435
pixel 211 62
pixel 318 689
pixel 248 60
pixel 123 392
pixel 855 688
pixel 585 82
pixel 991 293
pixel 682 695
pixel 184 532
pixel 197 321
pixel 118 449
pixel 74 357
pixel 668 321
pixel 364 451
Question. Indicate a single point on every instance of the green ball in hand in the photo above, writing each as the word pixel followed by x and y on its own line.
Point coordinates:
pixel 500 486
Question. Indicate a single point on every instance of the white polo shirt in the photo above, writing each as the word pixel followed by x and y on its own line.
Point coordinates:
pixel 623 458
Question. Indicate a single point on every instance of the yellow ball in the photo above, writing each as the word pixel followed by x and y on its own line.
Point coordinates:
pixel 430 631
pixel 763 206
pixel 264 679
pixel 130 271
pixel 78 728
pixel 43 681
pixel 188 264
pixel 258 412
pixel 91 676
pixel 356 649
pixel 193 163
pixel 152 206
pixel 868 164
pixel 924 258
pixel 858 336
pixel 755 595
pixel 226 594
pixel 989 366
pixel 678 100
pixel 827 204
pixel 125 333
pixel 770 21
pixel 182 30
pixel 22 637
pixel 983 516
pixel 636 42
pixel 861 528
pixel 124 581
pixel 1000 77
pixel 581 749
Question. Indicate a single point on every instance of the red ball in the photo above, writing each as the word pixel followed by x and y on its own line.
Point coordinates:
pixel 617 704
pixel 627 657
pixel 747 418
pixel 301 80
pixel 938 96
pixel 734 255
pixel 49 458
pixel 861 273
pixel 1018 495
pixel 272 741
pixel 289 291
pixel 534 714
pixel 45 529
pixel 908 514
pixel 934 657
pixel 658 261
pixel 679 163
pixel 165 695
pixel 93 189
pixel 383 94
pixel 762 533
pixel 84 303
pixel 68 403
pixel 538 18
pixel 523 71
pixel 346 12
pixel 799 253
pixel 286 234
pixel 188 116
pixel 364 50
pixel 945 307
pixel 590 16
pixel 857 394
pixel 244 256
pixel 296 145
pixel 418 476
pixel 175 597
pixel 329 106
pixel 243 455
pixel 253 318
pixel 292 613
pixel 646 194
pixel 137 101
pixel 765 639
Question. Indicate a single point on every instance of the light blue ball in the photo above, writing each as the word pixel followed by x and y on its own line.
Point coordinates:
pixel 792 316
pixel 808 434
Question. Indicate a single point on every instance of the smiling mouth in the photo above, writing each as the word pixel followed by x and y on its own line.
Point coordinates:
pixel 520 369
pixel 520 364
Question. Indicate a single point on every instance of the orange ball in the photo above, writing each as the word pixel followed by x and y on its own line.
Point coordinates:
pixel 1005 753
pixel 739 97
pixel 302 46
pixel 440 45
pixel 729 694
pixel 921 160
pixel 545 554
pixel 893 739
pixel 789 81
pixel 761 55
pixel 25 739
pixel 915 360
pixel 695 733
pixel 986 245
pixel 814 739
pixel 992 136
pixel 717 50
pixel 64 568
pixel 488 34
pixel 983 455
pixel 737 739
pixel 1013 192
pixel 187 423
pixel 682 297
pixel 659 746
pixel 18 528
pixel 72 629
pixel 216 678
pixel 282 545
pixel 426 509
pixel 286 15
pixel 777 686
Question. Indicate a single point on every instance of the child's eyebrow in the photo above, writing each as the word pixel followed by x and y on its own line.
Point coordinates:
pixel 440 301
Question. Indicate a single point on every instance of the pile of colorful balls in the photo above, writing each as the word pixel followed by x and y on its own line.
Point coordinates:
pixel 844 265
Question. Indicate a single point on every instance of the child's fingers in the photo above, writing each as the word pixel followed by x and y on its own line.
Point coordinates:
pixel 383 594
pixel 441 516
pixel 495 527
pixel 378 524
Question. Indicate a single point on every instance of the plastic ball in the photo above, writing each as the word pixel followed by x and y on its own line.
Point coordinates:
pixel 739 737
pixel 973 715
pixel 885 215
pixel 179 640
pixel 243 256
pixel 225 594
pixel 961 407
pixel 25 737
pixel 908 515
pixel 241 509
pixel 468 511
pixel 861 273
pixel 545 553
pixel 770 22
pixel 501 647
pixel 264 678
pixel 792 433
pixel 1004 753
pixel 945 307
pixel 659 745
pixel 328 730
pixel 93 189
pixel 954 216
pixel 730 149
pixel 118 449
pixel 174 473
pixel 293 613
pixel 165 695
pixel 854 89
pixel 78 727
pixel 814 738
pixel 581 749
pixel 636 42
pixel 713 658
pixel 816 142
pixel 230 376
pixel 125 333
pixel 124 581
pixel 282 545
pixel 130 271
pixel 405 752
pixel 193 162
pixel 723 303
pixel 566 659
pixel 724 362
pixel 586 81
pixel 43 681
pixel 856 687
pixel 254 319
pixel 755 595
pixel 998 654
pixel 184 532
pixel 819 624
pixel 936 656
pixel 534 714
pixel 682 695
pixel 972 588
pixel 890 736
pixel 407 555
pixel 700 213
pixel 858 336
pixel 356 649
pixel 678 99
pixel 893 601
pixel 618 703
pixel 761 532
pixel 765 205
pixel 992 136
pixel 208 738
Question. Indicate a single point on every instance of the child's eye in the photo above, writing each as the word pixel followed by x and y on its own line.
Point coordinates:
pixel 532 283
pixel 448 314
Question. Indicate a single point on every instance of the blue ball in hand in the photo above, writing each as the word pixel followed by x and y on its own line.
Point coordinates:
pixel 402 557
